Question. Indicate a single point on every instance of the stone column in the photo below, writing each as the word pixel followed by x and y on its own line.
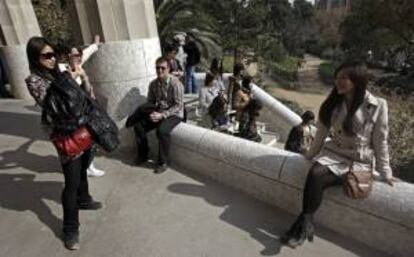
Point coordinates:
pixel 125 64
pixel 18 24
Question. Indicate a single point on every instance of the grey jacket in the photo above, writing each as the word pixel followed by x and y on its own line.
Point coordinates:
pixel 370 124
pixel 167 96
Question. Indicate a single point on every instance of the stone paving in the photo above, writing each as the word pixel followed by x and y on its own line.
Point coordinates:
pixel 177 213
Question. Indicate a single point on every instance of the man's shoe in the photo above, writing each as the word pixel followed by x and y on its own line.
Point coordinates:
pixel 71 241
pixel 141 161
pixel 161 168
pixel 94 172
pixel 92 205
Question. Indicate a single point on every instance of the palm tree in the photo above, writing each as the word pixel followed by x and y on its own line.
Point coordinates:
pixel 175 16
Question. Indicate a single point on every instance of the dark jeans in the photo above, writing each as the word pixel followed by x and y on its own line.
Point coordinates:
pixel 190 81
pixel 76 190
pixel 319 179
pixel 164 128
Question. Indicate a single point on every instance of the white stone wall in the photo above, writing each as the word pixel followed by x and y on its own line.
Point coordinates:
pixel 384 221
pixel 18 24
pixel 17 68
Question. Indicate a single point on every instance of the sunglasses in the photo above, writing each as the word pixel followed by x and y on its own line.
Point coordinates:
pixel 76 55
pixel 160 68
pixel 48 56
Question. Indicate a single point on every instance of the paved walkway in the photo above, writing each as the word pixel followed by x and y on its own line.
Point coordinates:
pixel 174 214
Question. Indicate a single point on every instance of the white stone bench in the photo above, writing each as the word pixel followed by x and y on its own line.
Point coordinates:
pixel 384 221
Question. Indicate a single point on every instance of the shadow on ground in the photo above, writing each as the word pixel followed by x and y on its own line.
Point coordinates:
pixel 266 228
pixel 22 125
pixel 237 211
pixel 23 158
pixel 29 195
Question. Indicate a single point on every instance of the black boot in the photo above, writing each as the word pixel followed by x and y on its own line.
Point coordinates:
pixel 292 230
pixel 91 205
pixel 71 241
pixel 301 230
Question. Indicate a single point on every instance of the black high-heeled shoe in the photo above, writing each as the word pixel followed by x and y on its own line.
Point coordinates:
pixel 301 230
pixel 293 230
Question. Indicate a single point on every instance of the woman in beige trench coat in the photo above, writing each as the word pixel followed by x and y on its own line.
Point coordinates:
pixel 357 123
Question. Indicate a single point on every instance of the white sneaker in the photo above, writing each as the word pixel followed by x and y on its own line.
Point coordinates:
pixel 94 172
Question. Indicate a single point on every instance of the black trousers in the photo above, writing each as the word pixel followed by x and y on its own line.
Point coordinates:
pixel 76 190
pixel 164 128
pixel 319 179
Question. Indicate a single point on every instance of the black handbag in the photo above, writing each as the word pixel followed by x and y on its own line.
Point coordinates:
pixel 103 128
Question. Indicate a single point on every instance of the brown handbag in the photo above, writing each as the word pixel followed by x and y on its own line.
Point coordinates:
pixel 358 183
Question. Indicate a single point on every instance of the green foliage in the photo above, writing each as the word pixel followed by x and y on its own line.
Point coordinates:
pixel 228 62
pixel 286 69
pixel 378 26
pixel 270 49
pixel 293 105
pixel 53 20
pixel 328 38
pixel 326 72
pixel 175 16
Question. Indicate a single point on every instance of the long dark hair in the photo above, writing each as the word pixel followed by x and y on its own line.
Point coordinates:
pixel 33 50
pixel 209 78
pixel 217 107
pixel 357 73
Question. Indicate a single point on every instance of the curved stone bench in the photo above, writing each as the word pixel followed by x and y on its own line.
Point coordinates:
pixel 384 221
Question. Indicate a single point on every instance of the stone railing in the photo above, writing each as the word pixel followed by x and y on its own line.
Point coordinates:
pixel 384 221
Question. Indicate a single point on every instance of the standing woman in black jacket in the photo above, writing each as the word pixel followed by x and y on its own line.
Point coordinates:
pixel 75 195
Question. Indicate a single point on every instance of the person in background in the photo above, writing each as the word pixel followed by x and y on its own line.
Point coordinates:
pixel 75 195
pixel 193 59
pixel 207 93
pixel 179 41
pixel 237 77
pixel 76 59
pixel 62 54
pixel 301 136
pixel 175 66
pixel 240 99
pixel 218 114
pixel 163 111
pixel 358 124
pixel 248 127
pixel 3 81
pixel 216 68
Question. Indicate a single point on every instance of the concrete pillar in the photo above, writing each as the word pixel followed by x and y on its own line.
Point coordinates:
pixel 125 64
pixel 18 24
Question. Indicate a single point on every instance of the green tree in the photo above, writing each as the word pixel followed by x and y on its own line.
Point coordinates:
pixel 53 20
pixel 379 26
pixel 175 16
